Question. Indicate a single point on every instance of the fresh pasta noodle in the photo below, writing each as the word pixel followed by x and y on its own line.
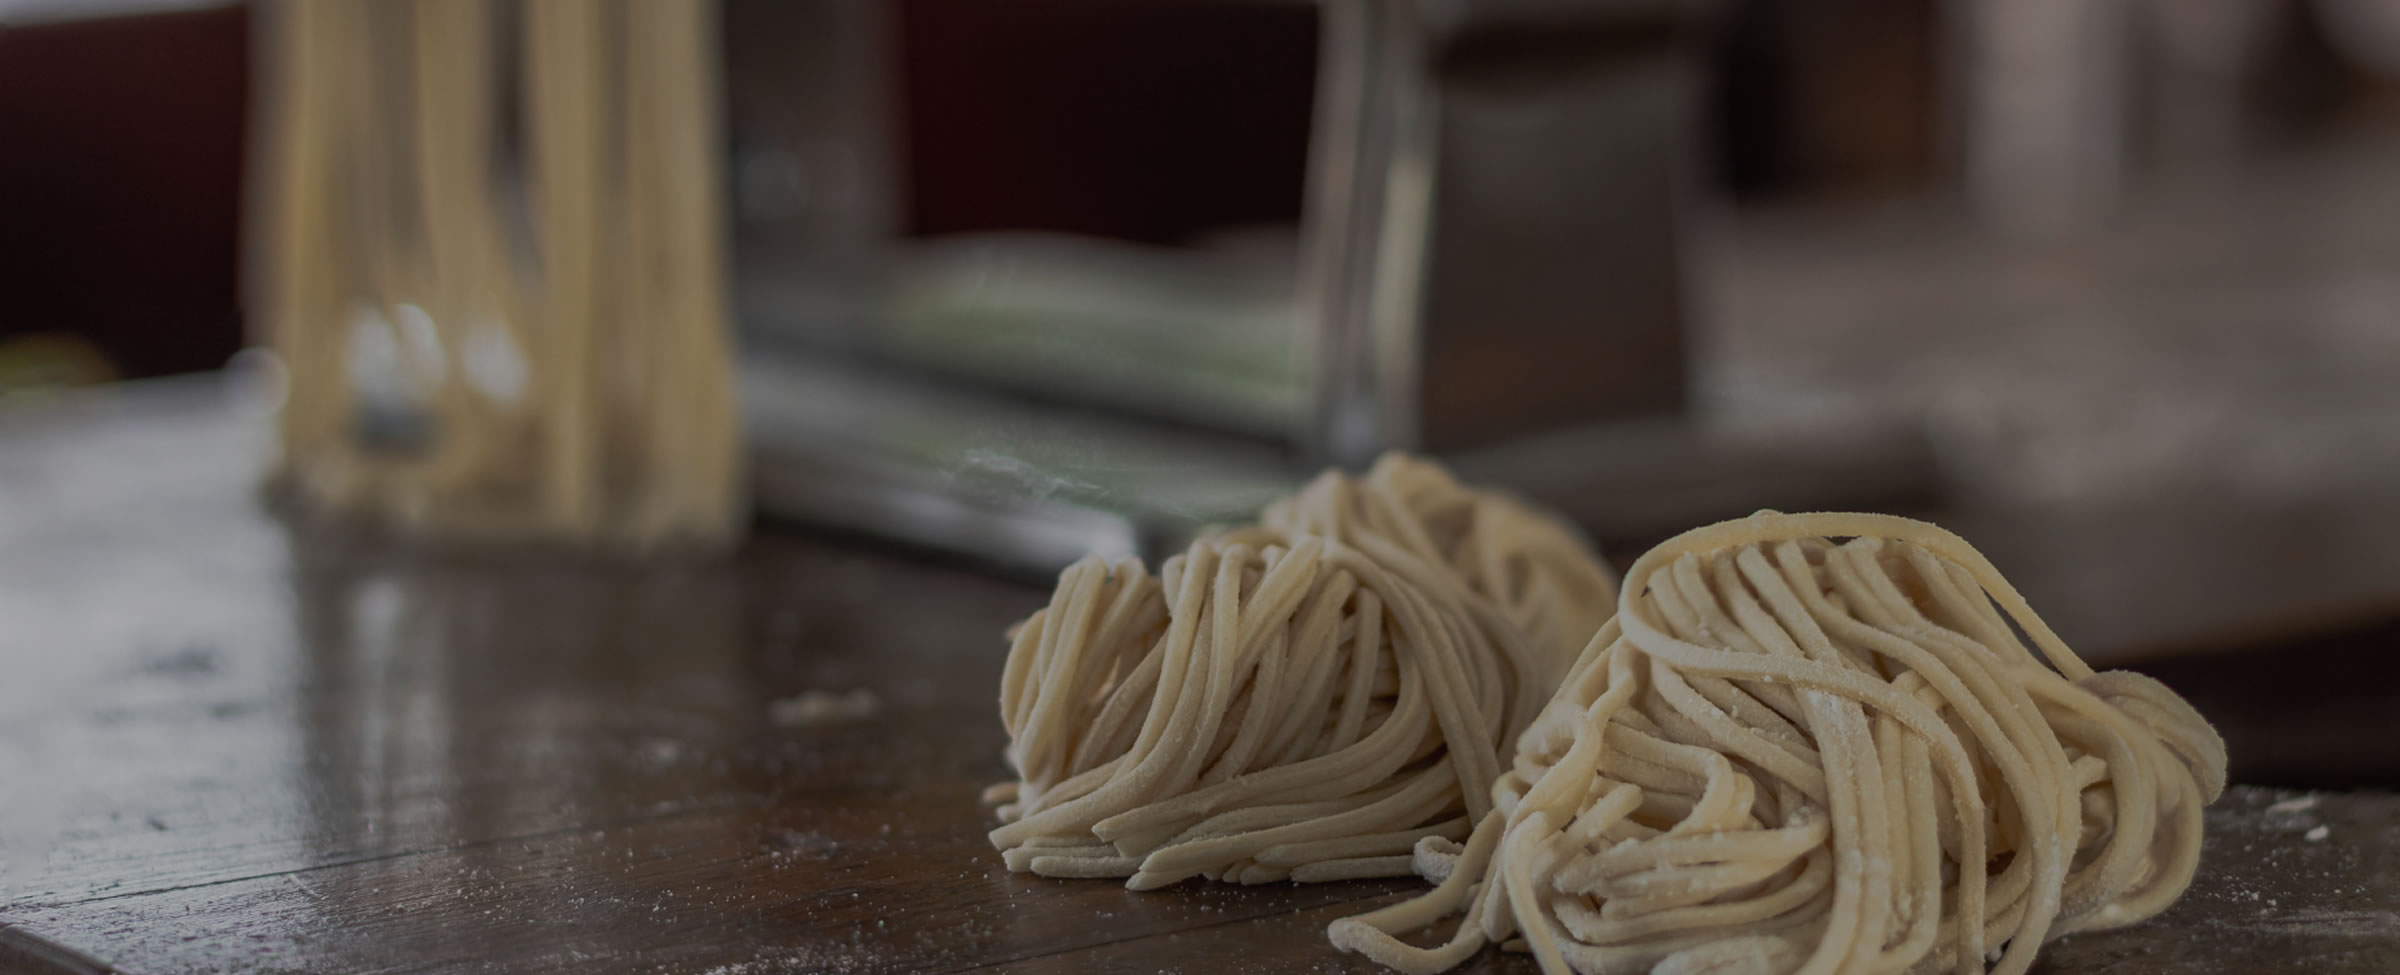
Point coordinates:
pixel 1791 752
pixel 1305 698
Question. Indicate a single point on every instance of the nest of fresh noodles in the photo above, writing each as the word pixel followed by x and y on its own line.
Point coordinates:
pixel 1303 698
pixel 1791 752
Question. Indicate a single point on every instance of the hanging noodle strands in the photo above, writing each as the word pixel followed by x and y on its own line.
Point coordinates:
pixel 1815 743
pixel 499 324
pixel 1303 699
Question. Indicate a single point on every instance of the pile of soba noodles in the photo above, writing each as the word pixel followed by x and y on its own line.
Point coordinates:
pixel 1817 743
pixel 1303 698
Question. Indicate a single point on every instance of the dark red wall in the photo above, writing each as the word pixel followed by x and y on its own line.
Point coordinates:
pixel 121 143
pixel 1149 121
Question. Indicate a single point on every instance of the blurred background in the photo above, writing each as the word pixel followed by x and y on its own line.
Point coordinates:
pixel 2110 286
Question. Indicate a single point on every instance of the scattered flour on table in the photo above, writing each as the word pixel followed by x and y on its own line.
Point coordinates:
pixel 811 708
pixel 801 961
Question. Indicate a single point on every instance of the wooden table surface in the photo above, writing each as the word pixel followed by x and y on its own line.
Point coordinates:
pixel 229 746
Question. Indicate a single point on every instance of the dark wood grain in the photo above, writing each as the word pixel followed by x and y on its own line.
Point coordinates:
pixel 246 747
pixel 230 745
